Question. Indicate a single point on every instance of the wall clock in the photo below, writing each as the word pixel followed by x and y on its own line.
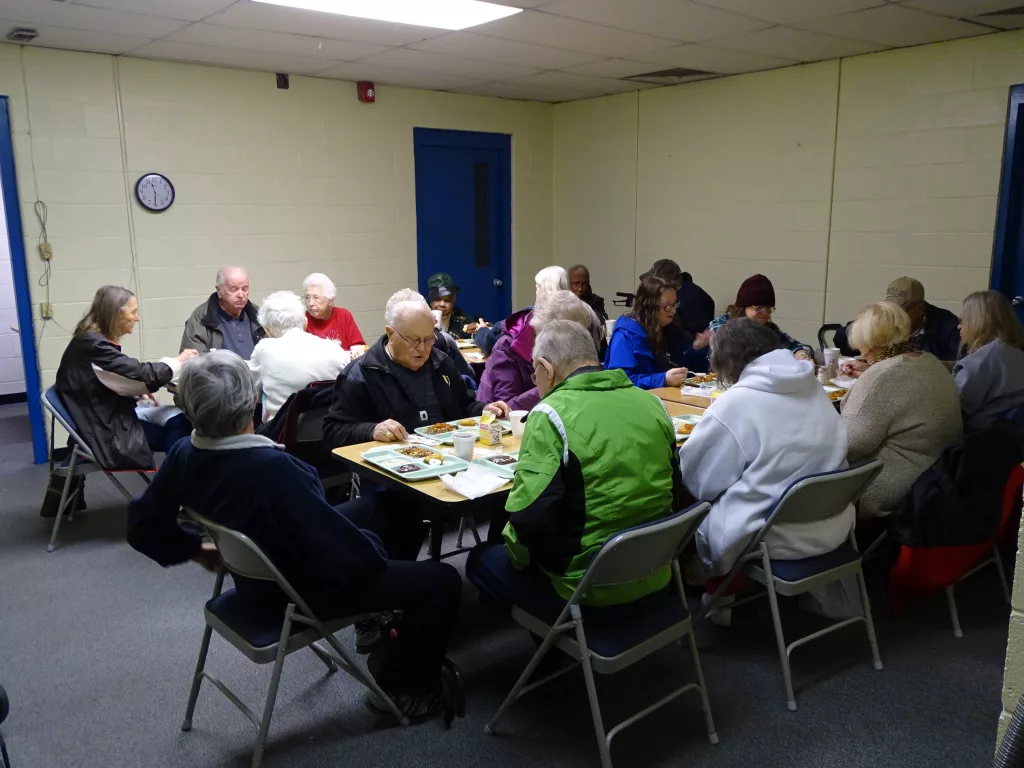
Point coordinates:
pixel 154 192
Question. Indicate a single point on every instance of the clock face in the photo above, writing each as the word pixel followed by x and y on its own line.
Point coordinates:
pixel 155 192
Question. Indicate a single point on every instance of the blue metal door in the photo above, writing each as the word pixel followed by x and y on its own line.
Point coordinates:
pixel 464 216
pixel 1008 251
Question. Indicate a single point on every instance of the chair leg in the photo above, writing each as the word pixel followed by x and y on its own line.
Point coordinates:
pixel 541 652
pixel 704 702
pixel 868 622
pixel 462 530
pixel 275 679
pixel 998 560
pixel 957 632
pixel 117 483
pixel 63 500
pixel 779 637
pixel 197 678
pixel 353 489
pixel 325 658
pixel 588 676
pixel 360 674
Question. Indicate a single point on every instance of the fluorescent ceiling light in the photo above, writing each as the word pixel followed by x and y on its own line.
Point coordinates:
pixel 442 14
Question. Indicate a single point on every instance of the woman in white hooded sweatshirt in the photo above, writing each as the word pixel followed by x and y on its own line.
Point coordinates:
pixel 773 425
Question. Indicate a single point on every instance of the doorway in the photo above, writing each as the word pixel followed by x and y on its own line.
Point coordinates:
pixel 1008 250
pixel 464 216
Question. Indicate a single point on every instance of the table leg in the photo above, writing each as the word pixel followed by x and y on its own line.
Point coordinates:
pixel 437 523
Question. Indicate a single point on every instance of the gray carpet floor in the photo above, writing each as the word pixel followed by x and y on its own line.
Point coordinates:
pixel 98 644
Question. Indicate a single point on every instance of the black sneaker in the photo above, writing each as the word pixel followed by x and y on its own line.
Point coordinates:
pixel 416 707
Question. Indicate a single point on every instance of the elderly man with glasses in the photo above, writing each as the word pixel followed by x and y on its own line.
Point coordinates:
pixel 402 382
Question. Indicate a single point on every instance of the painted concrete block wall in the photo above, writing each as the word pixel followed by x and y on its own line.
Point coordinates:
pixel 284 182
pixel 595 174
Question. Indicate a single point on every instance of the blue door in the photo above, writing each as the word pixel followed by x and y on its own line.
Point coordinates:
pixel 464 216
pixel 1008 252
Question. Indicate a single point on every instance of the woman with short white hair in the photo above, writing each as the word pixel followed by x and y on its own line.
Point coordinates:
pixel 289 358
pixel 551 279
pixel 325 320
pixel 904 409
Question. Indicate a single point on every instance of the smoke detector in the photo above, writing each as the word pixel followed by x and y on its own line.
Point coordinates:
pixel 22 35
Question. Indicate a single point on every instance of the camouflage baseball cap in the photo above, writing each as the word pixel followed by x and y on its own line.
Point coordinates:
pixel 904 291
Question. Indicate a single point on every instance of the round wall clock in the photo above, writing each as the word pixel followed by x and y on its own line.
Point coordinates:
pixel 154 192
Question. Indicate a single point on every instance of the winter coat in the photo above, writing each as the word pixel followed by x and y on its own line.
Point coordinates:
pixel 785 340
pixel 630 350
pixel 510 365
pixel 202 329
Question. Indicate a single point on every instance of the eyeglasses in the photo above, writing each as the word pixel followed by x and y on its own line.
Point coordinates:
pixel 761 310
pixel 668 307
pixel 414 343
pixel 317 299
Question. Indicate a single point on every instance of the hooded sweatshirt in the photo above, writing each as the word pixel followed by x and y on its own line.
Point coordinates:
pixel 771 428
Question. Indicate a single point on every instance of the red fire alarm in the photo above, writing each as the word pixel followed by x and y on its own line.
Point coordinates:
pixel 367 93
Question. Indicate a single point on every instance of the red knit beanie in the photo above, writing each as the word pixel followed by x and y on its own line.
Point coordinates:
pixel 756 291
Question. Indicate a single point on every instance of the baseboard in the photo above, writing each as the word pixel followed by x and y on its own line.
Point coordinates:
pixel 16 397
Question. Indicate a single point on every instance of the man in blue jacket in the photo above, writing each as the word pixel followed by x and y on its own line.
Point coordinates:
pixel 246 482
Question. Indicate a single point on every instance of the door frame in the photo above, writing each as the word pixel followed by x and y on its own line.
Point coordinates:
pixel 500 142
pixel 22 295
pixel 1009 232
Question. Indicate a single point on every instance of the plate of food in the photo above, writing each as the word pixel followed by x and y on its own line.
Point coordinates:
pixel 684 425
pixel 501 464
pixel 696 379
pixel 835 394
pixel 414 462
pixel 444 431
pixel 465 343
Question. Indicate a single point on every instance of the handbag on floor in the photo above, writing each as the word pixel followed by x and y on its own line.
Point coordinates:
pixel 54 489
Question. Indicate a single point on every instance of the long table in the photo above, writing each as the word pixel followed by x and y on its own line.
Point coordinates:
pixel 677 395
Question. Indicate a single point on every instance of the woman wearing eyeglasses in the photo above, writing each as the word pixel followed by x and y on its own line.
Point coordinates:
pixel 647 346
pixel 755 300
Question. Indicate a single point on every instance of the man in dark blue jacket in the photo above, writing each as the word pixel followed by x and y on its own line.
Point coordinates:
pixel 247 483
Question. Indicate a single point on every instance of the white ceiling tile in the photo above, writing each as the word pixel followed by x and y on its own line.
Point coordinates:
pixel 790 11
pixel 677 19
pixel 275 42
pixel 295 21
pixel 715 59
pixel 799 44
pixel 559 32
pixel 402 77
pixel 422 61
pixel 520 3
pixel 75 16
pixel 504 51
pixel 188 10
pixel 526 92
pixel 974 10
pixel 615 68
pixel 894 25
pixel 77 39
pixel 229 57
pixel 570 81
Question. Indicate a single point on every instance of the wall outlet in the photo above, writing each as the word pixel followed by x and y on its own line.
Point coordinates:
pixel 46 251
pixel 46 310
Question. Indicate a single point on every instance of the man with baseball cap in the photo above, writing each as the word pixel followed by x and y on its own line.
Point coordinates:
pixel 455 322
pixel 932 329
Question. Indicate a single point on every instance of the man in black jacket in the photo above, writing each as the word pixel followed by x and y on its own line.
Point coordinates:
pixel 696 307
pixel 226 320
pixel 402 382
pixel 579 283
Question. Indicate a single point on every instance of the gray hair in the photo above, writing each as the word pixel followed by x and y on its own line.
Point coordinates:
pixel 567 345
pixel 737 343
pixel 281 311
pixel 552 279
pixel 404 296
pixel 223 271
pixel 565 305
pixel 322 280
pixel 217 393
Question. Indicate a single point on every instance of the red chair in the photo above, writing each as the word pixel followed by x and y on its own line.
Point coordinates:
pixel 926 569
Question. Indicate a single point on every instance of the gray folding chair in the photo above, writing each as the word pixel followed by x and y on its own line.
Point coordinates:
pixel 810 499
pixel 609 648
pixel 309 429
pixel 81 462
pixel 262 642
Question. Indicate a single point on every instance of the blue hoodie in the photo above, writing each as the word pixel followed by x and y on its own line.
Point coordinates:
pixel 630 350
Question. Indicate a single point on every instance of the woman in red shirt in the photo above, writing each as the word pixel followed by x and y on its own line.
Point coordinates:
pixel 325 320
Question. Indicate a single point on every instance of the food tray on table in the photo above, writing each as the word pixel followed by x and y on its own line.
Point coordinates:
pixel 835 394
pixel 501 464
pixel 442 435
pixel 684 425
pixel 696 379
pixel 465 343
pixel 410 462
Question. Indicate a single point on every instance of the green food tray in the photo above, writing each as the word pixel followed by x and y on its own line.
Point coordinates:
pixel 447 437
pixel 508 471
pixel 379 457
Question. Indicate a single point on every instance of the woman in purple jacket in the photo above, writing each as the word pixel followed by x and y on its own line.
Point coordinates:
pixel 509 370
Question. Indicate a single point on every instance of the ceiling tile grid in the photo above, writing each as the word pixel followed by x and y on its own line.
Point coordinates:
pixel 553 50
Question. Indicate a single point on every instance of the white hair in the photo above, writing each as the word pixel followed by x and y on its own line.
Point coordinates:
pixel 281 311
pixel 565 305
pixel 565 344
pixel 222 274
pixel 322 280
pixel 406 295
pixel 552 279
pixel 400 308
pixel 217 393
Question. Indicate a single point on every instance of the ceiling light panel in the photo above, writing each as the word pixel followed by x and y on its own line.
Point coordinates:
pixel 439 14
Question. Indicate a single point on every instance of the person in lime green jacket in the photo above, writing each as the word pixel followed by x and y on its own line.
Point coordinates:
pixel 597 457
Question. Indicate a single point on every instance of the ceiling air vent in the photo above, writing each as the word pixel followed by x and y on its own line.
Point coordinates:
pixel 672 76
pixel 22 35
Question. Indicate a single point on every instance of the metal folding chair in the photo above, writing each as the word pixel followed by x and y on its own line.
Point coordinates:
pixel 262 642
pixel 606 649
pixel 832 328
pixel 81 462
pixel 996 559
pixel 810 499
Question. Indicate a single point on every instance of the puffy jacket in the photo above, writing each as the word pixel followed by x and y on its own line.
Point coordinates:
pixel 577 483
pixel 368 392
pixel 510 365
pixel 202 329
pixel 630 350
pixel 105 419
